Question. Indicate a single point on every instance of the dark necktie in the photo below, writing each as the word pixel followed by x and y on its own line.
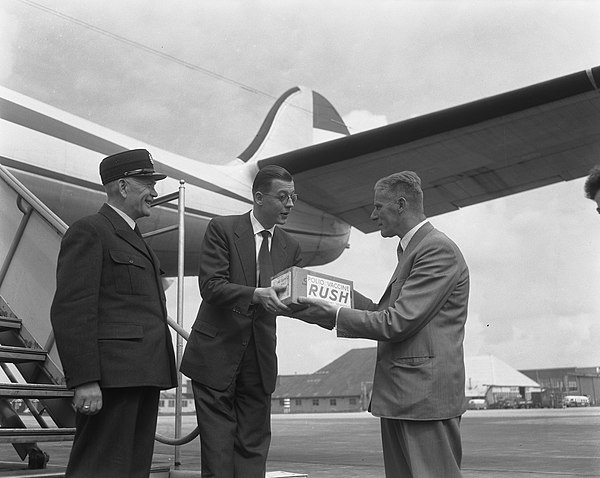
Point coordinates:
pixel 265 266
pixel 399 252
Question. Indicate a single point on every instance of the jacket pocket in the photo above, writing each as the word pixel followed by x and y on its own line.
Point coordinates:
pixel 130 274
pixel 120 331
pixel 205 328
pixel 412 361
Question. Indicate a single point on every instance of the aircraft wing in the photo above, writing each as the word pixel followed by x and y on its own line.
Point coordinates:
pixel 512 142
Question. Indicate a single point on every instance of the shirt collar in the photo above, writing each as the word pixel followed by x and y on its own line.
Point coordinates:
pixel 409 235
pixel 128 220
pixel 257 226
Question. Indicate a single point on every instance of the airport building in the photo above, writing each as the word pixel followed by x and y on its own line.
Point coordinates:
pixel 577 381
pixel 345 385
pixel 496 384
pixel 166 404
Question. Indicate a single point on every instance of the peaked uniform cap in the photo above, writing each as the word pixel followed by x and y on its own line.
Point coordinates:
pixel 127 164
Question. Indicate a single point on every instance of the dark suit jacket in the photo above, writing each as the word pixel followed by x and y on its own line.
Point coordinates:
pixel 419 324
pixel 227 318
pixel 109 312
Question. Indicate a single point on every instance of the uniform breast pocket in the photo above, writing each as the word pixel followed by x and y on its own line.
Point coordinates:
pixel 131 276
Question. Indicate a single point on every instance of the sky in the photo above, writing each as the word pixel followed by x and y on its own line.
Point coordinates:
pixel 198 77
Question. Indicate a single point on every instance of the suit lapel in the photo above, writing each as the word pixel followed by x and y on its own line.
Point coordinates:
pixel 278 251
pixel 402 258
pixel 125 232
pixel 246 248
pixel 385 298
pixel 418 237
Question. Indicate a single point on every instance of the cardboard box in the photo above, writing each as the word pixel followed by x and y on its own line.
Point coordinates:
pixel 300 282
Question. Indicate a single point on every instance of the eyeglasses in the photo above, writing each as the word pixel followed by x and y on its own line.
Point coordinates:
pixel 284 197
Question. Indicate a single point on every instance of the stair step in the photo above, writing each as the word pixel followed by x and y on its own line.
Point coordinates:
pixel 20 470
pixel 34 390
pixel 29 435
pixel 21 354
pixel 159 470
pixel 9 323
pixel 285 474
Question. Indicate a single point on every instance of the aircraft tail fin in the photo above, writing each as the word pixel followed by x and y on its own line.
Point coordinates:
pixel 300 117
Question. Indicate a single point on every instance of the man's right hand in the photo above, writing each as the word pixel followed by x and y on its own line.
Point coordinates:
pixel 268 298
pixel 318 311
pixel 88 398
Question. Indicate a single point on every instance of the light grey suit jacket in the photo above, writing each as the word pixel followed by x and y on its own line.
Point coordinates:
pixel 419 325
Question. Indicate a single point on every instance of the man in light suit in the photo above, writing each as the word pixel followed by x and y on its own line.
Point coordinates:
pixel 110 322
pixel 230 355
pixel 418 389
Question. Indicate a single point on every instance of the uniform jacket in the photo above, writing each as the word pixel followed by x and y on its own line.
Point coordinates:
pixel 419 325
pixel 109 312
pixel 227 318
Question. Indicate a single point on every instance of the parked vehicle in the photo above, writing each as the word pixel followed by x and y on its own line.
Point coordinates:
pixel 501 403
pixel 521 402
pixel 477 404
pixel 576 401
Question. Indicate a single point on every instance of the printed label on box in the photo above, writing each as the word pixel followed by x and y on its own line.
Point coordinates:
pixel 300 282
pixel 284 279
pixel 330 290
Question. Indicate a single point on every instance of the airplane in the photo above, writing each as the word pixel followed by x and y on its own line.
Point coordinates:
pixel 482 150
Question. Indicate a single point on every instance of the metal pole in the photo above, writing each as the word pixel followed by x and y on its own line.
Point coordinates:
pixel 180 279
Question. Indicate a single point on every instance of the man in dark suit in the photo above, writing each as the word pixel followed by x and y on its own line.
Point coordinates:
pixel 110 322
pixel 418 389
pixel 230 355
pixel 592 187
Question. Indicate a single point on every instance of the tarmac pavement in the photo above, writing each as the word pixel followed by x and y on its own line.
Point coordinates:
pixel 548 443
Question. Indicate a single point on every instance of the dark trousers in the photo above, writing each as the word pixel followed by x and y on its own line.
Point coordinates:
pixel 235 424
pixel 117 442
pixel 421 449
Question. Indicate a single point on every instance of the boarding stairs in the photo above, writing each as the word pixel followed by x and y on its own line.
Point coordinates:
pixel 30 370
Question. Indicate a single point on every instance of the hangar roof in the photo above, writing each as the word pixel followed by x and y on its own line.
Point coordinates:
pixel 351 372
pixel 483 371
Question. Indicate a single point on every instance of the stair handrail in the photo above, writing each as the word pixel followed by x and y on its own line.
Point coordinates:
pixel 43 210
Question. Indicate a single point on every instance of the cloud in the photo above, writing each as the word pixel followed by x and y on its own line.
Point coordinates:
pixel 534 276
pixel 9 31
pixel 535 270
